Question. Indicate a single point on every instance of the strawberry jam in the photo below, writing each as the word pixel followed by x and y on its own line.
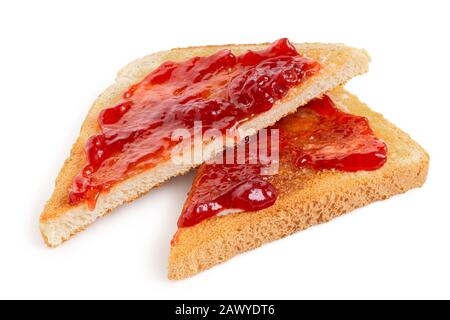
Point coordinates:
pixel 319 136
pixel 222 91
pixel 219 187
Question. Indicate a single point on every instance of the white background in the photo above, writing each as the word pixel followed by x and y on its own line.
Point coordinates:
pixel 56 56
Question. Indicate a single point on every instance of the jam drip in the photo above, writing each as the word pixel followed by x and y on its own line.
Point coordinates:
pixel 221 90
pixel 319 136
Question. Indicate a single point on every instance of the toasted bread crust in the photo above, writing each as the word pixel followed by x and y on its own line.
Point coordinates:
pixel 59 221
pixel 306 198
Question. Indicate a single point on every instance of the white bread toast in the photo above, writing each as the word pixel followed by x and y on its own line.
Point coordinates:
pixel 306 198
pixel 60 221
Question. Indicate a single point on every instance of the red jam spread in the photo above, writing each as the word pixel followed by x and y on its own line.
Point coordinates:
pixel 220 187
pixel 221 90
pixel 318 136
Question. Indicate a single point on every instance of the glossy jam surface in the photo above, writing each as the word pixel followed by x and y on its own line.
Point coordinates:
pixel 222 91
pixel 318 136
pixel 221 187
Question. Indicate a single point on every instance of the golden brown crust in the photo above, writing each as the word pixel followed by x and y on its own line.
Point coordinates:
pixel 334 57
pixel 306 198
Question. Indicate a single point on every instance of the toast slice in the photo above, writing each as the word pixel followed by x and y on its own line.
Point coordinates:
pixel 306 198
pixel 60 221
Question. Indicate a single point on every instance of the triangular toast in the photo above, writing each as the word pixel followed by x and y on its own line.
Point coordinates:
pixel 60 221
pixel 307 198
